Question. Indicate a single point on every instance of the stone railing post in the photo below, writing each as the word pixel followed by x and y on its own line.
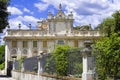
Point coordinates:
pixel 22 64
pixel 88 68
pixel 14 58
pixel 40 70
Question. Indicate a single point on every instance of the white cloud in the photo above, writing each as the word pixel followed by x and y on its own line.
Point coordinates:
pixel 24 21
pixel 14 10
pixel 86 11
pixel 27 10
pixel 41 6
pixel 14 24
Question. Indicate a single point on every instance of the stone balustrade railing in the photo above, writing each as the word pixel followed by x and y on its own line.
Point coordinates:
pixel 45 33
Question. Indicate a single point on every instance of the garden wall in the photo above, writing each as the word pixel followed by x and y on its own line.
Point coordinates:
pixel 33 76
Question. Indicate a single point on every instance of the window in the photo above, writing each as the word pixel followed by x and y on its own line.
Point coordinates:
pixel 14 52
pixel 44 44
pixel 24 51
pixel 34 43
pixel 25 45
pixel 14 44
pixel 75 43
pixel 60 42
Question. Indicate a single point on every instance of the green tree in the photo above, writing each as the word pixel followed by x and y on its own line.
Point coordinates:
pixel 3 14
pixel 116 16
pixel 107 52
pixel 65 60
pixel 61 59
pixel 2 56
pixel 107 26
pixel 111 24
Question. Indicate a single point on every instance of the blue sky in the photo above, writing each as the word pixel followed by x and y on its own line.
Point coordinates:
pixel 85 11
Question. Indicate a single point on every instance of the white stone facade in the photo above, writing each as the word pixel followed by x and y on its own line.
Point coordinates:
pixel 56 29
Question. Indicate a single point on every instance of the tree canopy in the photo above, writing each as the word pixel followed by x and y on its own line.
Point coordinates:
pixel 111 24
pixel 107 49
pixel 108 57
pixel 61 61
pixel 116 16
pixel 65 60
pixel 3 14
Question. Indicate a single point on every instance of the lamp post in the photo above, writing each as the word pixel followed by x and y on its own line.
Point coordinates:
pixel 88 70
pixel 39 64
pixel 14 58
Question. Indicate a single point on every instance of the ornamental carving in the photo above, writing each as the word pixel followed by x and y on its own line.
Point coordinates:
pixel 14 52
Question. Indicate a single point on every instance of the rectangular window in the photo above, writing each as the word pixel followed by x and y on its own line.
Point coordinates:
pixel 44 44
pixel 34 43
pixel 75 43
pixel 25 45
pixel 61 42
pixel 14 44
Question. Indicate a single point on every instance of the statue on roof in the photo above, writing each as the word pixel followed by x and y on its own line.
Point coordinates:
pixel 60 6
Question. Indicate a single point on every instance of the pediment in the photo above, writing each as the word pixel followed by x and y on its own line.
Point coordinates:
pixel 60 14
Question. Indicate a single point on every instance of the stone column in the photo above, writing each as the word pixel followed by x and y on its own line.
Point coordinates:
pixel 22 63
pixel 14 58
pixel 22 68
pixel 6 56
pixel 88 70
pixel 40 70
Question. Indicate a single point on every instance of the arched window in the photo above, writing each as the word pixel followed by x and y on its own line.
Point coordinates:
pixel 13 52
pixel 24 51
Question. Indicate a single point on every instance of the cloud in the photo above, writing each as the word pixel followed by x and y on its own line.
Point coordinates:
pixel 14 11
pixel 41 6
pixel 27 10
pixel 14 24
pixel 86 11
pixel 23 20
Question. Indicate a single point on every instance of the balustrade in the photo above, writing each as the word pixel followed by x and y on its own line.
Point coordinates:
pixel 42 33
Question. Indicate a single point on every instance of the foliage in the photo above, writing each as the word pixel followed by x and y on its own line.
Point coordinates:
pixel 107 26
pixel 74 61
pixel 84 27
pixel 116 16
pixel 21 61
pixel 2 66
pixel 50 65
pixel 65 61
pixel 61 60
pixel 3 14
pixel 111 24
pixel 2 56
pixel 108 57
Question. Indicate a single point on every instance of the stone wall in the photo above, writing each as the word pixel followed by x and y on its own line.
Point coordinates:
pixel 33 76
pixel 28 76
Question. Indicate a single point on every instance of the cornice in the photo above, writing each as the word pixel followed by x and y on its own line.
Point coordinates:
pixel 54 38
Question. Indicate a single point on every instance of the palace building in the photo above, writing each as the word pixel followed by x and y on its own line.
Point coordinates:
pixel 56 29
